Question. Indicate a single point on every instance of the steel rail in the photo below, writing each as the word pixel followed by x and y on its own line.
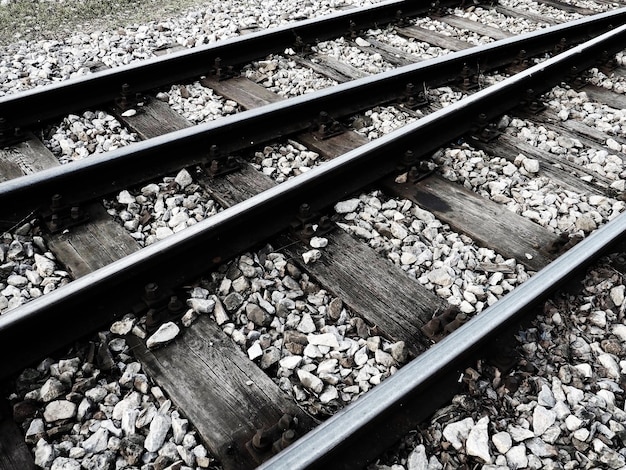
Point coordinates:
pixel 360 432
pixel 95 177
pixel 91 302
pixel 42 104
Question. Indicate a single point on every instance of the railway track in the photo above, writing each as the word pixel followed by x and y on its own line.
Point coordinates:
pixel 197 369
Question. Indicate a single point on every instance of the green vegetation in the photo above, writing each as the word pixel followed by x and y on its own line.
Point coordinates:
pixel 33 20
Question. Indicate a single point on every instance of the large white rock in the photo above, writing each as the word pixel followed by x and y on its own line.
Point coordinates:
pixel 456 433
pixel 183 178
pixel 310 381
pixel 502 441
pixel 417 460
pixel 159 427
pixel 166 332
pixel 516 457
pixel 58 410
pixel 477 443
pixel 617 295
pixel 542 419
pixel 290 362
pixel 97 442
pixel 344 207
pixel 324 339
pixel 440 277
pixel 45 267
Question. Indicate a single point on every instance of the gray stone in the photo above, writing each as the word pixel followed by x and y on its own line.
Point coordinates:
pixel 65 463
pixel 440 277
pixel 542 419
pixel 97 442
pixel 417 460
pixel 44 454
pixel 540 448
pixel 58 410
pixel 306 324
pixel 516 457
pixel 36 430
pixel 519 434
pixel 51 389
pixel 124 326
pixel 233 301
pixel 131 448
pixel 617 296
pixel 310 381
pixel 399 352
pixel 456 433
pixel 179 427
pixel 270 357
pixel 166 333
pixel 219 312
pixel 502 441
pixel 183 178
pixel 201 305
pixel 546 397
pixel 159 427
pixel 477 443
pixel 17 280
pixel 45 267
pixel 257 315
pixel 344 207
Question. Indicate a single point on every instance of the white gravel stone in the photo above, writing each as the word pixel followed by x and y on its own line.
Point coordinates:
pixel 201 305
pixel 59 410
pixel 97 442
pixel 345 207
pixel 617 295
pixel 159 427
pixel 123 326
pixel 310 381
pixel 51 389
pixel 440 277
pixel 183 178
pixel 166 333
pixel 318 242
pixel 311 256
pixel 520 434
pixel 324 339
pixel 44 454
pixel 290 362
pixel 45 267
pixel 516 457
pixel 502 441
pixel 456 433
pixel 329 394
pixel 477 443
pixel 418 460
pixel 542 419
